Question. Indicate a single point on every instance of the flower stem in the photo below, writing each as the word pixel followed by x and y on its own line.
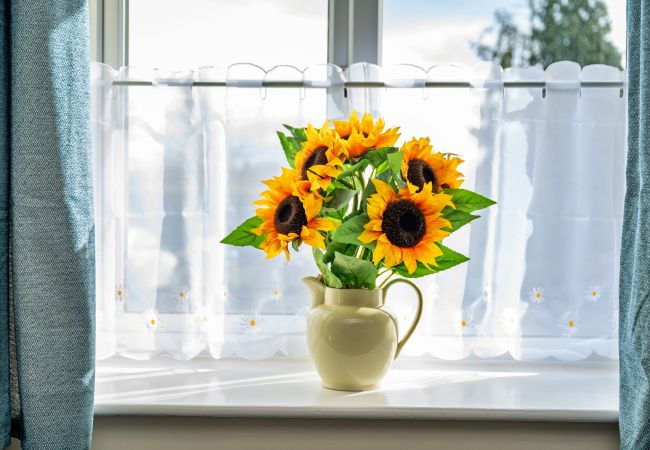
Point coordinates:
pixel 364 252
pixel 346 184
pixel 360 177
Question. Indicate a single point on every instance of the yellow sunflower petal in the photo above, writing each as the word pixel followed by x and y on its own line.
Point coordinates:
pixel 312 205
pixel 427 253
pixel 366 122
pixel 258 230
pixel 393 256
pixel 312 237
pixel 409 260
pixel 384 189
pixel 388 138
pixel 273 246
pixel 380 251
pixel 368 236
pixel 323 224
pixel 376 207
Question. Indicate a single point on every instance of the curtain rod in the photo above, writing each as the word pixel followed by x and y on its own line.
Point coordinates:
pixel 560 84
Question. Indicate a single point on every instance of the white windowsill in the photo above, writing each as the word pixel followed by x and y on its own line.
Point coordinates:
pixel 413 389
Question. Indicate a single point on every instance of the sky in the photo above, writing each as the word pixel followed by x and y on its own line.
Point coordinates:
pixel 222 32
pixel 428 32
pixel 294 32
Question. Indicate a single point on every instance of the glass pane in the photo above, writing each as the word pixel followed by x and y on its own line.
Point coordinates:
pixel 508 32
pixel 194 33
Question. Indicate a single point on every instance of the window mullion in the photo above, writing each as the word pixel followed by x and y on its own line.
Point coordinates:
pixel 96 26
pixel 114 19
pixel 354 32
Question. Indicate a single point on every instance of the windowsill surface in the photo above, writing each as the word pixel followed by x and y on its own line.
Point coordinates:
pixel 413 389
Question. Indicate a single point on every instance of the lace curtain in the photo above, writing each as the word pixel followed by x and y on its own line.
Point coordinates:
pixel 177 166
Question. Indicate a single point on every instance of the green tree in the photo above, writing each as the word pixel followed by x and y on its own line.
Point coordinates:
pixel 508 43
pixel 575 30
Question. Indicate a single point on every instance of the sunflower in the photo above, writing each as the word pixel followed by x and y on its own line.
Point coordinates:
pixel 344 127
pixel 360 136
pixel 420 165
pixel 321 157
pixel 405 225
pixel 288 214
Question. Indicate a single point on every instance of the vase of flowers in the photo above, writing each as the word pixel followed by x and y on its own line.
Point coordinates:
pixel 370 210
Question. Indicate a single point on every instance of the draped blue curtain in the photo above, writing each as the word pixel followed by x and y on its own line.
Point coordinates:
pixel 634 328
pixel 46 226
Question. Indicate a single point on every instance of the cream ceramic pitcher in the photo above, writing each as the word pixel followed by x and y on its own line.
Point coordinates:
pixel 352 340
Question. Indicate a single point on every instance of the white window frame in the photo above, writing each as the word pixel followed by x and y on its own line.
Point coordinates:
pixel 109 31
pixel 354 32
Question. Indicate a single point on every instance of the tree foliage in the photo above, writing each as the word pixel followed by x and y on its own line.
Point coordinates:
pixel 575 30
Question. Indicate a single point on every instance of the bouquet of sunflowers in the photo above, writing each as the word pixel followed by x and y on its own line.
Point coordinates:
pixel 367 208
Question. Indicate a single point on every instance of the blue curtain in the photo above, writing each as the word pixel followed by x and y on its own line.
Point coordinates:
pixel 634 328
pixel 46 226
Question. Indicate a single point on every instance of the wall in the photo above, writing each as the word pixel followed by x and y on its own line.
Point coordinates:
pixel 196 433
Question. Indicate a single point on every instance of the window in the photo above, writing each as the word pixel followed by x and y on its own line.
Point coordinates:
pixel 180 155
pixel 427 33
pixel 220 32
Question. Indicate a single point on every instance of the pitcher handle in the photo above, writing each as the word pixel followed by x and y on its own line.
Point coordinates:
pixel 418 313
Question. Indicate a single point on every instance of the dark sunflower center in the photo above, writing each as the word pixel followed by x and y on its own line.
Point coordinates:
pixel 403 223
pixel 290 216
pixel 419 173
pixel 317 158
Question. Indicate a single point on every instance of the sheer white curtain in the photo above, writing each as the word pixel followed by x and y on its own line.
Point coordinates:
pixel 177 166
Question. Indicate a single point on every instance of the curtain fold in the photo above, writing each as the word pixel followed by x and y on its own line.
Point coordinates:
pixel 181 164
pixel 46 226
pixel 5 402
pixel 634 329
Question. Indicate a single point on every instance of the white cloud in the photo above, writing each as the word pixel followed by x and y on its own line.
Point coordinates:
pixel 220 32
pixel 446 40
pixel 432 42
pixel 617 15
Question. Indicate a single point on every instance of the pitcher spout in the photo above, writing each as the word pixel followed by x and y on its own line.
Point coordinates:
pixel 317 290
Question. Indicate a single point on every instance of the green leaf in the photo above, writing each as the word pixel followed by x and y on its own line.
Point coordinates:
pixel 457 218
pixel 358 167
pixel 298 133
pixel 333 247
pixel 336 214
pixel 378 156
pixel 395 164
pixel 296 244
pixel 354 272
pixel 329 278
pixel 350 229
pixel 291 146
pixel 449 258
pixel 338 184
pixel 243 236
pixel 370 187
pixel 340 197
pixel 468 201
pixel 382 168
